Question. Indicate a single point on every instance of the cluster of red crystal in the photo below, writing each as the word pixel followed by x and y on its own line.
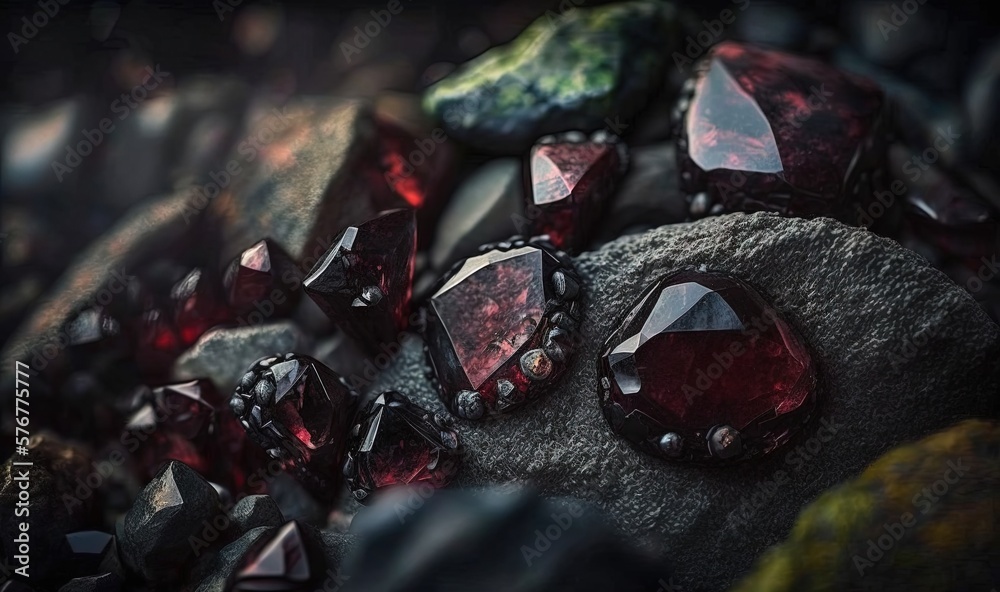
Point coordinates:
pixel 396 442
pixel 364 281
pixel 765 130
pixel 299 411
pixel 703 369
pixel 572 179
pixel 499 328
pixel 189 422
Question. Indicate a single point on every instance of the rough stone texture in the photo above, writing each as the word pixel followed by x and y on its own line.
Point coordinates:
pixel 169 510
pixel 255 511
pixel 224 354
pixel 858 300
pixel 565 71
pixel 306 184
pixel 214 575
pixel 53 506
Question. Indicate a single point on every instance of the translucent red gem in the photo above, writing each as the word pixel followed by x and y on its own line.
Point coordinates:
pixel 299 411
pixel 764 130
pixel 255 274
pixel 495 327
pixel 198 306
pixel 703 369
pixel 572 179
pixel 364 281
pixel 399 443
pixel 282 562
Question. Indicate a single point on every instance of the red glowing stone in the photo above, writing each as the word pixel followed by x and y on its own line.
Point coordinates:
pixel 572 180
pixel 198 306
pixel 364 281
pixel 702 351
pixel 765 130
pixel 400 443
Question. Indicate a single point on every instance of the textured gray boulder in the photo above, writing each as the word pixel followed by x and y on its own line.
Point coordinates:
pixel 224 354
pixel 255 511
pixel 156 534
pixel 900 349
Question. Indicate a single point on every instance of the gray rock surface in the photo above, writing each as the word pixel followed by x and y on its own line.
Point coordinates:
pixel 224 354
pixel 154 537
pixel 255 511
pixel 900 349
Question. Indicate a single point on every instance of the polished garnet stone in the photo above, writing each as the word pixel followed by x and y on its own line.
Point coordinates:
pixel 765 130
pixel 400 443
pixel 198 305
pixel 254 276
pixel 572 180
pixel 283 562
pixel 493 328
pixel 364 281
pixel 703 369
pixel 299 411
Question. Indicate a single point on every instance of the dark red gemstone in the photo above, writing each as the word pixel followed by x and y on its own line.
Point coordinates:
pixel 299 411
pixel 198 305
pixel 493 327
pixel 157 343
pixel 254 275
pixel 951 216
pixel 282 562
pixel 572 180
pixel 703 369
pixel 156 444
pixel 399 443
pixel 765 130
pixel 364 281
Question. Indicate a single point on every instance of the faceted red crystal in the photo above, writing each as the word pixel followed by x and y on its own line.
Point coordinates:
pixel 283 562
pixel 488 327
pixel 702 351
pixel 299 411
pixel 399 443
pixel 572 180
pixel 157 343
pixel 364 281
pixel 765 130
pixel 254 275
pixel 198 305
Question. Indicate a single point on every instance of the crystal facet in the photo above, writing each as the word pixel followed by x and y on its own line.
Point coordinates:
pixel 282 562
pixel 572 179
pixel 399 443
pixel 364 281
pixel 254 276
pixel 299 411
pixel 703 369
pixel 488 322
pixel 764 130
pixel 198 306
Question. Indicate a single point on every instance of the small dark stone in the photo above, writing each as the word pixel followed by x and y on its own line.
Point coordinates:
pixel 169 510
pixel 255 511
